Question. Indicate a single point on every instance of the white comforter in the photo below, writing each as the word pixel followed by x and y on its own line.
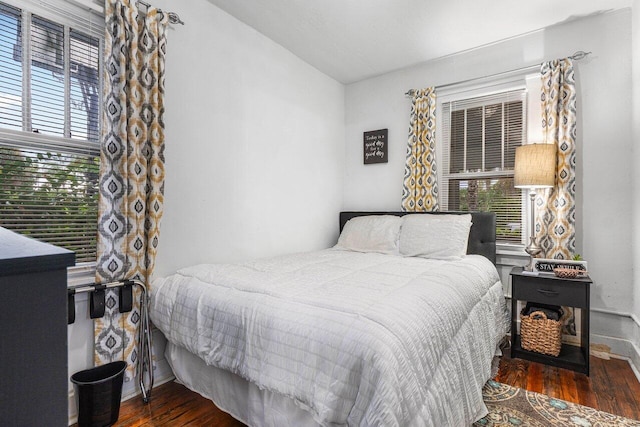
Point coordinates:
pixel 354 338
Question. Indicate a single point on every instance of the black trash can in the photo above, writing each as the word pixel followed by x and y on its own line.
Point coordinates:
pixel 98 392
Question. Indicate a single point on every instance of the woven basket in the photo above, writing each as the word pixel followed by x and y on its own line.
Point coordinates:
pixel 568 273
pixel 539 334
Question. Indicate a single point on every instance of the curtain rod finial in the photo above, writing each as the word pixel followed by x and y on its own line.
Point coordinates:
pixel 580 55
pixel 175 19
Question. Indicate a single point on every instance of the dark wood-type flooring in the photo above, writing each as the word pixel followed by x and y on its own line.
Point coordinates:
pixel 612 387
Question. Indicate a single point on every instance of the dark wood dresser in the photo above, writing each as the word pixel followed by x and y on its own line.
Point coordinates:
pixel 33 332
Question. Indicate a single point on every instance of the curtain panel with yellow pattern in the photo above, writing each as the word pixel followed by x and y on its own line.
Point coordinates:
pixel 131 167
pixel 420 187
pixel 555 207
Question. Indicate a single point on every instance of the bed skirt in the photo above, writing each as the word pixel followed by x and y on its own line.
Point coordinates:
pixel 233 394
pixel 240 398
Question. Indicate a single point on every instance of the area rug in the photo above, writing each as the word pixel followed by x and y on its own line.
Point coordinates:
pixel 511 406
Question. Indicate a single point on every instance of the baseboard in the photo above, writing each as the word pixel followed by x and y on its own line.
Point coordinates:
pixel 619 333
pixel 161 374
pixel 634 361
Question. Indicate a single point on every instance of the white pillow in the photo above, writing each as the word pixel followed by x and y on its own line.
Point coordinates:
pixel 373 233
pixel 435 236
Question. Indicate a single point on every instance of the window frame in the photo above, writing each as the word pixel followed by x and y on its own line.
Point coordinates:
pixel 479 88
pixel 73 18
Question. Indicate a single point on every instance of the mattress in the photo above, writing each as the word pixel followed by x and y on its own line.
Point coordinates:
pixel 350 338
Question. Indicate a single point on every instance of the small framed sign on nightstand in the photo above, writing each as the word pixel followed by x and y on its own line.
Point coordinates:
pixel 543 265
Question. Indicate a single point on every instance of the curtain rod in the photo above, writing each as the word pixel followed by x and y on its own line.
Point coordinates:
pixel 173 17
pixel 576 56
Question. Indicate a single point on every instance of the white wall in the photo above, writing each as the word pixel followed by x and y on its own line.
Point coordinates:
pixel 636 161
pixel 254 153
pixel 604 206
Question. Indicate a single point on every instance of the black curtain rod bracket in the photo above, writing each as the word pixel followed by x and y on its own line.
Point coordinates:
pixel 173 17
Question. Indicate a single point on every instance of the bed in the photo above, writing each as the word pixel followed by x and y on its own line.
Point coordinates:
pixel 397 325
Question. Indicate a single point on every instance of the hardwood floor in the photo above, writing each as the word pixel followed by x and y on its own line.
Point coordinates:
pixel 612 387
pixel 174 405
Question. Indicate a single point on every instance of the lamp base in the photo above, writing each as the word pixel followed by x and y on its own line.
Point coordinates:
pixel 533 250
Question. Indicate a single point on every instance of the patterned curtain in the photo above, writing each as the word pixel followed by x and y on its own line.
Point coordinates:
pixel 555 207
pixel 420 187
pixel 131 168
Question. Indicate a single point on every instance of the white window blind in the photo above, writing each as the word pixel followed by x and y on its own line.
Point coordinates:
pixel 50 67
pixel 480 137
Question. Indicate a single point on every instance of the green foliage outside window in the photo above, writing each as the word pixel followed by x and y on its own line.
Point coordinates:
pixel 493 195
pixel 51 197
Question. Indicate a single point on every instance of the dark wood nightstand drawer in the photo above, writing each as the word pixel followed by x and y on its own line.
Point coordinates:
pixel 554 292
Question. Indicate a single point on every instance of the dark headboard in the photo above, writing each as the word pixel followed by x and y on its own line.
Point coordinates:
pixel 482 237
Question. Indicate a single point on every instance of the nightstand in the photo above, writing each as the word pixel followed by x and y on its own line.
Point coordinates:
pixel 548 289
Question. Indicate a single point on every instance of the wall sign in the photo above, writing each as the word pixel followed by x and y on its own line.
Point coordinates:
pixel 375 146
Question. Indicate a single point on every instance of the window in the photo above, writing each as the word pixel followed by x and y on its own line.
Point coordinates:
pixel 49 125
pixel 480 136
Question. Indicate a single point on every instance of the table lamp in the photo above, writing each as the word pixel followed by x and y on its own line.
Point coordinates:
pixel 535 167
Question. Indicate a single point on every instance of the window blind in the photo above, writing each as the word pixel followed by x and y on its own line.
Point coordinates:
pixel 49 126
pixel 480 137
pixel 11 75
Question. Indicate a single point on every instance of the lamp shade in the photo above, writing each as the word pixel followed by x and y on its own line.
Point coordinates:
pixel 535 166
